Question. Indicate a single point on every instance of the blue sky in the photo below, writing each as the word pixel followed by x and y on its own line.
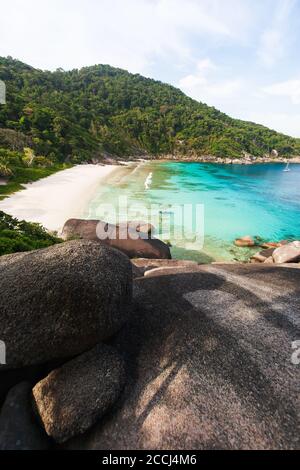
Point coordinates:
pixel 241 56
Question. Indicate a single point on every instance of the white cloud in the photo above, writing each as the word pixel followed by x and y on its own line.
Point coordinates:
pixel 124 33
pixel 206 64
pixel 271 47
pixel 203 86
pixel 289 89
pixel 274 39
pixel 240 98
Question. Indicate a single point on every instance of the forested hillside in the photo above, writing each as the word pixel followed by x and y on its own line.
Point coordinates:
pixel 84 114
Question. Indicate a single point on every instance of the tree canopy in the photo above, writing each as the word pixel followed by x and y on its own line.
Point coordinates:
pixel 81 115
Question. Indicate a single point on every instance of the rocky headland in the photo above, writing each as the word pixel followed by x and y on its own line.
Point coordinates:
pixel 193 157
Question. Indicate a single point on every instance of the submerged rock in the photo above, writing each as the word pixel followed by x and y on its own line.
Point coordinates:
pixel 209 362
pixel 244 241
pixel 72 398
pixel 19 429
pixel 134 243
pixel 60 301
pixel 288 253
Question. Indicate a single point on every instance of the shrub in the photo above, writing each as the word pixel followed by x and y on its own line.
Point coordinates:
pixel 16 236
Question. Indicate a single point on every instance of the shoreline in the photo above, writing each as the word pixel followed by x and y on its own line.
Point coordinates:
pixel 52 200
pixel 217 160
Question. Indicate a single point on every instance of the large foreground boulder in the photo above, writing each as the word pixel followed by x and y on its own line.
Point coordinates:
pixel 72 398
pixel 210 355
pixel 62 300
pixel 19 429
pixel 128 239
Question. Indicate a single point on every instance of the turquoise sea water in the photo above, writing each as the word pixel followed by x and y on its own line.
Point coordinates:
pixel 258 200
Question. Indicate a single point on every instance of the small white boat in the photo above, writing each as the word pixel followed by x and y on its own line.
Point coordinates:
pixel 287 168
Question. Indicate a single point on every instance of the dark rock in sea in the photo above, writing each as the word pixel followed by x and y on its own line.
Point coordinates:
pixel 61 301
pixel 209 362
pixel 77 395
pixel 133 243
pixel 288 253
pixel 19 429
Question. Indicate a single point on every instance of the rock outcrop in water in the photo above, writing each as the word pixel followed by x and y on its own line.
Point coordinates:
pixel 244 241
pixel 278 253
pixel 128 238
pixel 289 253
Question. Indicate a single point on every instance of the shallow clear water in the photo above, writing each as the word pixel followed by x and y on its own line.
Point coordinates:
pixel 258 200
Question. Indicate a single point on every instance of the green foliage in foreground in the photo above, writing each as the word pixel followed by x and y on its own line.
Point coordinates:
pixel 17 236
pixel 84 114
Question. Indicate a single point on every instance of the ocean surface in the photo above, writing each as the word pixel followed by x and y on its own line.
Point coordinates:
pixel 258 200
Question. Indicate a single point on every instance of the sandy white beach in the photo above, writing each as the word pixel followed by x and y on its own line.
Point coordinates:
pixel 52 200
